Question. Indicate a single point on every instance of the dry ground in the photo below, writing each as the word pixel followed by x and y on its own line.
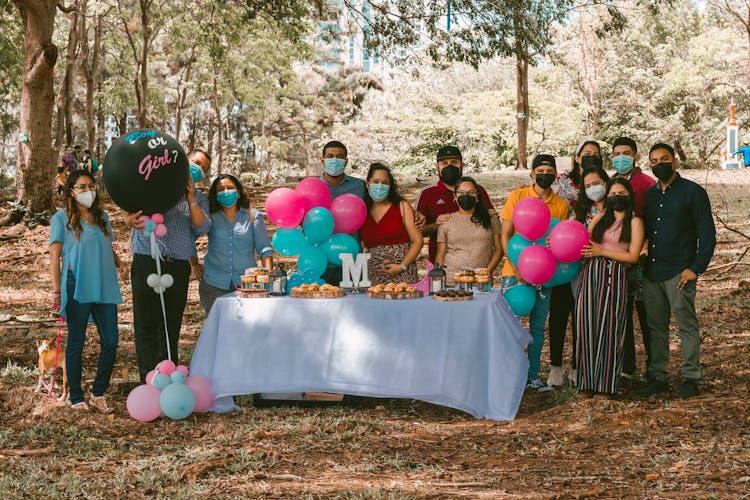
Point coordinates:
pixel 559 446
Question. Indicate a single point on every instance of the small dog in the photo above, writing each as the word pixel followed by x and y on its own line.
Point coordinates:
pixel 47 352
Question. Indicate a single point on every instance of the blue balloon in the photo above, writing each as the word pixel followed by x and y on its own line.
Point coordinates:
pixel 177 401
pixel 521 299
pixel 516 245
pixel 318 224
pixel 289 241
pixel 339 243
pixel 543 240
pixel 312 258
pixel 294 279
pixel 177 377
pixel 161 380
pixel 564 273
pixel 310 276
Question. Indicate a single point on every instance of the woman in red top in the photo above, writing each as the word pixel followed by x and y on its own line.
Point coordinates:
pixel 389 233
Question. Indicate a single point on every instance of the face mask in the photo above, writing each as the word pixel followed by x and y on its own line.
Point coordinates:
pixel 591 162
pixel 334 166
pixel 467 201
pixel 86 198
pixel 450 174
pixel 544 181
pixel 618 202
pixel 379 192
pixel 227 198
pixel 596 193
pixel 663 171
pixel 622 163
pixel 196 172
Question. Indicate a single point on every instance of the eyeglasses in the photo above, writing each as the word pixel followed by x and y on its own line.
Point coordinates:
pixel 470 193
pixel 85 187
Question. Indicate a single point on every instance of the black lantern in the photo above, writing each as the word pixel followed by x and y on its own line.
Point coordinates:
pixel 277 281
pixel 436 278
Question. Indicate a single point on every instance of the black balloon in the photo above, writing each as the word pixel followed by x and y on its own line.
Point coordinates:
pixel 146 170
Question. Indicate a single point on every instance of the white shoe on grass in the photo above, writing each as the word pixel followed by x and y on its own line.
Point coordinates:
pixel 538 385
pixel 556 377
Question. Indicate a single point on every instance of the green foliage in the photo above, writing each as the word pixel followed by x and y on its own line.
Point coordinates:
pixel 17 374
pixel 11 59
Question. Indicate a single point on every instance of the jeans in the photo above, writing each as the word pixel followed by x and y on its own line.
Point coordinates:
pixel 537 320
pixel 77 317
pixel 662 299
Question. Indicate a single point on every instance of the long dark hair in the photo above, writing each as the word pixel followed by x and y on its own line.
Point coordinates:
pixel 213 204
pixel 575 174
pixel 393 196
pixel 584 203
pixel 71 206
pixel 597 233
pixel 480 215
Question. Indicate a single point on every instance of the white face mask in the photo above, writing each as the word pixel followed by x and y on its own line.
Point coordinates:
pixel 596 193
pixel 86 198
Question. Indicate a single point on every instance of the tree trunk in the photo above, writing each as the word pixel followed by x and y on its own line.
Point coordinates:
pixel 182 92
pixel 143 121
pixel 522 110
pixel 35 166
pixel 219 128
pixel 64 130
pixel 90 67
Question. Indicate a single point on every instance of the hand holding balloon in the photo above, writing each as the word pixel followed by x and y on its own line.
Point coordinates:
pixel 592 250
pixel 133 220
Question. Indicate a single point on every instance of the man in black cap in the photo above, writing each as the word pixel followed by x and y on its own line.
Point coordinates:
pixel 438 202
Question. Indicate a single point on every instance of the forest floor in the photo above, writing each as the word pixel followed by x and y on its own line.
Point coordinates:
pixel 559 446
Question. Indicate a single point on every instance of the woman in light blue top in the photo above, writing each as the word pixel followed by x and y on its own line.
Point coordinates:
pixel 237 234
pixel 84 283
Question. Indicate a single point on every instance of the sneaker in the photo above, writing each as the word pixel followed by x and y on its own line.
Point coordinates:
pixel 555 378
pixel 688 388
pixel 100 403
pixel 653 387
pixel 538 385
pixel 573 379
pixel 80 406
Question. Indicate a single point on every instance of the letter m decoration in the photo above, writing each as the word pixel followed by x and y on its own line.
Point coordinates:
pixel 354 273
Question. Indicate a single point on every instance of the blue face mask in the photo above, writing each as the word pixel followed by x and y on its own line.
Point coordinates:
pixel 227 198
pixel 623 163
pixel 196 172
pixel 379 192
pixel 334 166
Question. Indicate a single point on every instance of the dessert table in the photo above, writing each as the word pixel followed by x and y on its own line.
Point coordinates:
pixel 468 355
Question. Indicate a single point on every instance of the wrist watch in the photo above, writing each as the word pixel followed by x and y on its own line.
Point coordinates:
pixel 403 267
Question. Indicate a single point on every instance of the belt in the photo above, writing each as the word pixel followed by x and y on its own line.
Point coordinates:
pixel 172 259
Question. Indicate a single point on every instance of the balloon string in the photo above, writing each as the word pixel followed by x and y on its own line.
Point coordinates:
pixel 156 254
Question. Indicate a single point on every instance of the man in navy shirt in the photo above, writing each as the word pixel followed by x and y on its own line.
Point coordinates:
pixel 681 239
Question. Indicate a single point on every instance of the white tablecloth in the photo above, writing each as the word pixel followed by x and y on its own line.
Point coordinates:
pixel 466 355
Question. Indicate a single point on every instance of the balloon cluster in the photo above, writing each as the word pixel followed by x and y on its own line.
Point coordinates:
pixel 153 224
pixel 545 251
pixel 325 226
pixel 169 390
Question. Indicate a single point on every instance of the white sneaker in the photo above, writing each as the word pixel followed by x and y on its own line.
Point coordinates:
pixel 573 377
pixel 556 378
pixel 538 385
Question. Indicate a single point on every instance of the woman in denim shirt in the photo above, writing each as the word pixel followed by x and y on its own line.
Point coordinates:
pixel 84 283
pixel 237 234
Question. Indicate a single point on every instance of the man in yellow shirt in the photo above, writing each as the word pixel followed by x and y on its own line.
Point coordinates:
pixel 543 171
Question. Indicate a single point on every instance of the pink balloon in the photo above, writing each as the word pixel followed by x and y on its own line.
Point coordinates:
pixel 349 213
pixel 143 403
pixel 158 218
pixel 536 264
pixel 201 386
pixel 314 193
pixel 166 367
pixel 144 218
pixel 285 207
pixel 531 217
pixel 160 231
pixel 149 376
pixel 567 239
pixel 423 285
pixel 183 369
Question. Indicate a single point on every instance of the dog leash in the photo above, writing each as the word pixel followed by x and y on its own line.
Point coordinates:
pixel 60 322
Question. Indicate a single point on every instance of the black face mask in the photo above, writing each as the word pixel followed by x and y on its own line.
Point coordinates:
pixel 450 174
pixel 467 201
pixel 618 202
pixel 544 181
pixel 663 171
pixel 591 162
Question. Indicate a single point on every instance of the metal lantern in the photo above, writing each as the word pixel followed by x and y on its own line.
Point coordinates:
pixel 277 281
pixel 437 279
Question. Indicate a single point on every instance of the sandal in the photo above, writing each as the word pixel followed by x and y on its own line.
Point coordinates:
pixel 100 403
pixel 80 406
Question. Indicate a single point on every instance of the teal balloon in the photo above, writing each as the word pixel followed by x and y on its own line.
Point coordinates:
pixel 521 299
pixel 516 245
pixel 161 380
pixel 177 401
pixel 310 276
pixel 564 273
pixel 543 240
pixel 312 258
pixel 294 279
pixel 318 224
pixel 289 241
pixel 177 377
pixel 339 243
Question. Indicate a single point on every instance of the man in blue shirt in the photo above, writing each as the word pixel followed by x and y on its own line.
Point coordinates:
pixel 681 239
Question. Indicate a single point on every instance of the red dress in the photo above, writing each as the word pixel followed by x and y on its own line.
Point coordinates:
pixel 389 231
pixel 387 241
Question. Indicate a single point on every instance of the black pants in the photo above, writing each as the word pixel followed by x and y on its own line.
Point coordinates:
pixel 561 306
pixel 333 275
pixel 628 349
pixel 148 322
